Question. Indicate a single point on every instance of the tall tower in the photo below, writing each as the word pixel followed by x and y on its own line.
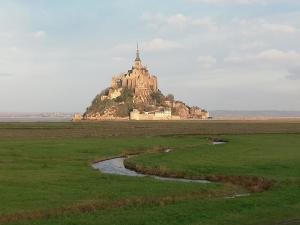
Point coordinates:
pixel 138 62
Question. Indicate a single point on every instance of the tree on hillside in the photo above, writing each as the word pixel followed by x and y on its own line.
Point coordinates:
pixel 170 97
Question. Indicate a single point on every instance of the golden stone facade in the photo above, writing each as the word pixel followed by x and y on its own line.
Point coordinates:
pixel 138 79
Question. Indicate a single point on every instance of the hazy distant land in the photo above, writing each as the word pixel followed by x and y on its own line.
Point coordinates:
pixel 216 114
pixel 35 117
pixel 265 114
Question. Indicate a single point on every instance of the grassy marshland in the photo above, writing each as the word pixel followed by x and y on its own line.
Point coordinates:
pixel 46 177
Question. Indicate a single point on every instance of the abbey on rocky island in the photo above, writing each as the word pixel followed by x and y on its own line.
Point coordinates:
pixel 138 79
pixel 135 95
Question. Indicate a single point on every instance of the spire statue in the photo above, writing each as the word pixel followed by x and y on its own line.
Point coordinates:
pixel 138 61
pixel 137 53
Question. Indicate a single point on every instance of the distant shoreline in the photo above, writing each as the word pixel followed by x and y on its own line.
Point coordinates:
pixel 33 119
pixel 69 119
pixel 217 115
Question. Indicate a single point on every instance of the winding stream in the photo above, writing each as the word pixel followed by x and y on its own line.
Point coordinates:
pixel 116 166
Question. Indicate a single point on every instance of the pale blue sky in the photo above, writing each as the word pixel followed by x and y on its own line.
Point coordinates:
pixel 218 54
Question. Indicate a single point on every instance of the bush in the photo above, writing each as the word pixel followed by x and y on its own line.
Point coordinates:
pixel 126 96
pixel 158 98
pixel 170 97
pixel 123 110
pixel 175 112
pixel 100 106
pixel 105 92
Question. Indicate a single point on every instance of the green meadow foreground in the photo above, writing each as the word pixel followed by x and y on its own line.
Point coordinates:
pixel 46 175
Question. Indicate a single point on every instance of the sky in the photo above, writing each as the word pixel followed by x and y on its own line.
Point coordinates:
pixel 56 56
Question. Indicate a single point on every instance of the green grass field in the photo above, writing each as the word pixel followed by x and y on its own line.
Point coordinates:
pixel 46 175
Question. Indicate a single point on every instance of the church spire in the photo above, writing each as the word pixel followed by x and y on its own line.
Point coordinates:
pixel 137 53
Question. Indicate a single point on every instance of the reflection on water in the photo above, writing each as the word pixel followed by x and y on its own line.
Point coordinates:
pixel 115 166
pixel 219 142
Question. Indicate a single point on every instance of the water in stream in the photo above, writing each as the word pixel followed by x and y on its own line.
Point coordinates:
pixel 116 166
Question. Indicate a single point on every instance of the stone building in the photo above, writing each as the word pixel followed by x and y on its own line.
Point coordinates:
pixel 138 79
pixel 165 114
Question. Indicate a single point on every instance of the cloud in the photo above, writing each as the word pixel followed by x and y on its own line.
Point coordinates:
pixel 14 49
pixel 252 45
pixel 221 2
pixel 294 74
pixel 280 28
pixel 205 22
pixel 234 59
pixel 119 59
pixel 159 44
pixel 262 27
pixel 39 34
pixel 122 47
pixel 272 56
pixel 278 56
pixel 5 35
pixel 206 61
pixel 273 59
pixel 5 74
pixel 179 20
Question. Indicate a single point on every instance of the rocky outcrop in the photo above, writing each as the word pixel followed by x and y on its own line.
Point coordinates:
pixel 181 109
pixel 197 113
pixel 109 108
